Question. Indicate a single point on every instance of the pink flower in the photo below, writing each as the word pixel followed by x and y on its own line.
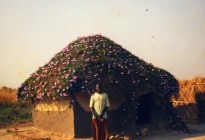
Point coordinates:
pixel 75 77
pixel 48 94
pixel 88 59
pixel 20 86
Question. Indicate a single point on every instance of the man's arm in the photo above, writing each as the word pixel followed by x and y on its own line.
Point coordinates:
pixel 107 106
pixel 93 112
pixel 92 106
pixel 103 112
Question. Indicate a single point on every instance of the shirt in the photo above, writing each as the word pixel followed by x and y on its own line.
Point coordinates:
pixel 99 102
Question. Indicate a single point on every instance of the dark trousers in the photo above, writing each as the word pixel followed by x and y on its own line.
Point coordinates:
pixel 99 129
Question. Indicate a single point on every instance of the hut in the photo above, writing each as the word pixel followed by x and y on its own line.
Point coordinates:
pixel 138 91
pixel 190 103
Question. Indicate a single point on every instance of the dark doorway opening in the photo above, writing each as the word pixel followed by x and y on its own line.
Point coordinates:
pixel 144 110
pixel 149 111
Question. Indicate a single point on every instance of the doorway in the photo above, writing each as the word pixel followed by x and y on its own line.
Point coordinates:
pixel 149 113
pixel 143 110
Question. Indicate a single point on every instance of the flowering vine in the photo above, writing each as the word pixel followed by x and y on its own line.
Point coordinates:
pixel 92 59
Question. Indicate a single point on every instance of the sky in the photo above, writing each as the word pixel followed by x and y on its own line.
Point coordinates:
pixel 170 34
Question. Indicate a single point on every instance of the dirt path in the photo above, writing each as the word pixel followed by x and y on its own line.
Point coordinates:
pixel 29 132
pixel 197 133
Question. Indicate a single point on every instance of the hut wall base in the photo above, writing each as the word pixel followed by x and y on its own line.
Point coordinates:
pixel 58 121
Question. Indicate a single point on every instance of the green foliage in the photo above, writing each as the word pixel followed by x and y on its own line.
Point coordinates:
pixel 14 112
pixel 9 131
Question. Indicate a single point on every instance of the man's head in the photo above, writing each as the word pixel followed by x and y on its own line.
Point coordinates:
pixel 98 88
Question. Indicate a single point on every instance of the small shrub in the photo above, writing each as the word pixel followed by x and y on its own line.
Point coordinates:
pixel 18 111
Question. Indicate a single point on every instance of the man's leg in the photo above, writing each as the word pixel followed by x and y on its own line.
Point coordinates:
pixel 93 130
pixel 104 130
pixel 96 129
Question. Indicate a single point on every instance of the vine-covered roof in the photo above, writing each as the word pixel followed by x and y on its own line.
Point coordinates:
pixel 92 59
pixel 97 59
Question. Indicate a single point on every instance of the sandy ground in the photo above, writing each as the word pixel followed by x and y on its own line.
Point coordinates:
pixel 29 132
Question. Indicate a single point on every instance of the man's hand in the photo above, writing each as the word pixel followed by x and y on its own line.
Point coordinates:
pixel 100 118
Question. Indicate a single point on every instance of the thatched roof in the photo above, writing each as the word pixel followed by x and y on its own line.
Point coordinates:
pixel 93 59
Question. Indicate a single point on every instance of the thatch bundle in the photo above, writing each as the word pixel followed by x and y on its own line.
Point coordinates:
pixel 188 102
pixel 93 59
pixel 189 89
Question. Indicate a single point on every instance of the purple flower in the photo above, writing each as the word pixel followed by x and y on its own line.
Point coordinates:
pixel 128 72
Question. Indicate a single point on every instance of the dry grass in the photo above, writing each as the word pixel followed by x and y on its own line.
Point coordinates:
pixel 8 95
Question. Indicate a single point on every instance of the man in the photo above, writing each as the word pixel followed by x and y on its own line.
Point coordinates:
pixel 99 103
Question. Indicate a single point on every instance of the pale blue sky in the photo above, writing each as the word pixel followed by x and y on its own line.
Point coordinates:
pixel 170 34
